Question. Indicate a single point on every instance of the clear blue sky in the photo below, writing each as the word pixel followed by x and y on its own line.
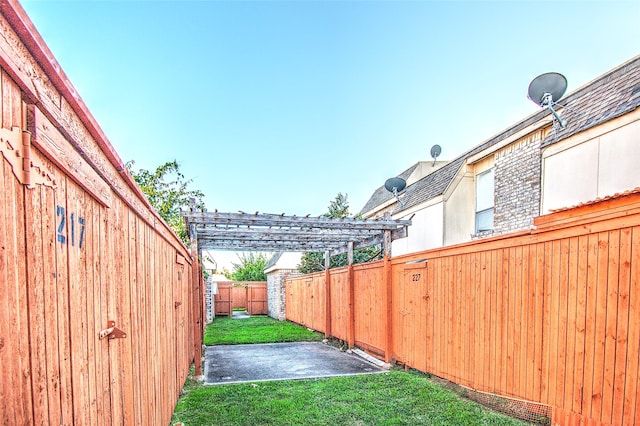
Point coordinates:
pixel 278 106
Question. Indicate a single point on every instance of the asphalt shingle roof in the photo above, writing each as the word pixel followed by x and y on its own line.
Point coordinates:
pixel 274 259
pixel 609 96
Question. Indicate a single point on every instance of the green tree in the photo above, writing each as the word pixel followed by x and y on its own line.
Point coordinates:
pixel 250 268
pixel 168 192
pixel 314 261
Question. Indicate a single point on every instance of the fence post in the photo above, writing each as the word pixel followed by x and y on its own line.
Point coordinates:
pixel 197 304
pixel 352 317
pixel 327 295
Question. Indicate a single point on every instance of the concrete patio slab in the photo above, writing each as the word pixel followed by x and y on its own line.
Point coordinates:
pixel 279 361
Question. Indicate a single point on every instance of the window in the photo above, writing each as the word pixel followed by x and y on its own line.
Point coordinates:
pixel 484 201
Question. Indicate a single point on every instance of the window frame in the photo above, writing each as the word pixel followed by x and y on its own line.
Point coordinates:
pixel 479 213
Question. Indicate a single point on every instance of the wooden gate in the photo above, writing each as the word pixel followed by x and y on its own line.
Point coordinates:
pixel 239 296
pixel 257 298
pixel 409 315
pixel 251 296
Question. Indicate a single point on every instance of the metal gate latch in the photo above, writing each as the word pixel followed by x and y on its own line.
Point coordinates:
pixel 112 332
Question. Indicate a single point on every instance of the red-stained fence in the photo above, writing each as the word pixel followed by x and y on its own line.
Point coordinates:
pixel 550 315
pixel 81 252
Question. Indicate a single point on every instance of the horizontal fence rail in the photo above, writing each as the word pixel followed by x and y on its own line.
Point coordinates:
pixel 550 316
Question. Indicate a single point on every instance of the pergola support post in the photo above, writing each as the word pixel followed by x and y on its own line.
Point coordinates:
pixel 196 298
pixel 327 294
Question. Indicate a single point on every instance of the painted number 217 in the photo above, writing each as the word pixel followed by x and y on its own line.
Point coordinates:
pixel 75 224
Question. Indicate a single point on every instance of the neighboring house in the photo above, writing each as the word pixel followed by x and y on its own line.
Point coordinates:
pixel 279 267
pixel 598 153
pixel 530 168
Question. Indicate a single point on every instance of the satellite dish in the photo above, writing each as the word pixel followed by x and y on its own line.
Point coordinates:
pixel 546 89
pixel 395 185
pixel 436 150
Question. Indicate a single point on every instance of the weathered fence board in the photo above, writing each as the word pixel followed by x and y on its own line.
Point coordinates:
pixel 77 251
pixel 550 315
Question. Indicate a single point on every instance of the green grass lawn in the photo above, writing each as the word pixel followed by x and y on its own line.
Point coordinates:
pixel 257 329
pixel 394 398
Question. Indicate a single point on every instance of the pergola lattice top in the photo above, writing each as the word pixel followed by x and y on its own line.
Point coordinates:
pixel 270 232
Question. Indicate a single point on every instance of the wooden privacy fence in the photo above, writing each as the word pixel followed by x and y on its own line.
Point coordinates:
pixel 251 296
pixel 550 316
pixel 82 254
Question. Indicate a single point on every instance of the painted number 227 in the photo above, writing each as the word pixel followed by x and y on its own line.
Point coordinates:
pixel 75 224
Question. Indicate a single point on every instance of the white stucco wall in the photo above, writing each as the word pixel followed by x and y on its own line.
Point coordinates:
pixel 425 231
pixel 459 210
pixel 596 163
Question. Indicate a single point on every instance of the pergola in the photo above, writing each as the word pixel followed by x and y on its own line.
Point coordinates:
pixel 271 232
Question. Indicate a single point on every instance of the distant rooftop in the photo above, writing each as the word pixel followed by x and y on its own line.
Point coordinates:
pixel 611 95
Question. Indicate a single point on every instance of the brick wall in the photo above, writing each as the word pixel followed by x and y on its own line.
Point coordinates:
pixel 517 186
pixel 276 292
pixel 208 297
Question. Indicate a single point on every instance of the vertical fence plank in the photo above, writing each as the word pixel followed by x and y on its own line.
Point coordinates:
pixel 103 275
pixel 9 410
pixel 554 327
pixel 590 322
pixel 504 320
pixel 135 342
pixel 479 319
pixel 50 340
pixel 580 279
pixel 63 311
pixel 631 393
pixel 563 287
pixel 515 305
pixel 611 326
pixel 92 295
pixel 36 303
pixel 572 300
pixel 622 331
pixel 600 329
pixel 125 320
pixel 539 299
pixel 530 306
pixel 77 306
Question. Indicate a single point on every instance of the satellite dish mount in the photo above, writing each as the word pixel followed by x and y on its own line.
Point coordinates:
pixel 436 150
pixel 546 89
pixel 396 185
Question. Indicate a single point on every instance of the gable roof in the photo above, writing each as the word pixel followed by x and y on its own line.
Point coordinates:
pixel 609 96
pixel 381 195
pixel 274 259
pixel 283 261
